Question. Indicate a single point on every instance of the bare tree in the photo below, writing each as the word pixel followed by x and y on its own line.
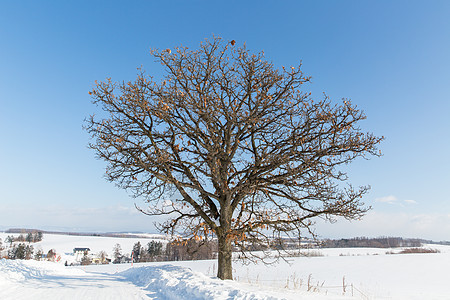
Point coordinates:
pixel 102 255
pixel 228 146
pixel 117 253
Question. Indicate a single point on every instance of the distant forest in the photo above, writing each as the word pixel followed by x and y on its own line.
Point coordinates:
pixel 357 242
pixel 379 242
pixel 104 234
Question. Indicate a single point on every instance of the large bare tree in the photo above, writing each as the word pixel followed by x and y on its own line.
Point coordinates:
pixel 228 146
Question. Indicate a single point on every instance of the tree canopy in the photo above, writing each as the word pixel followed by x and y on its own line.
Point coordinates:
pixel 228 146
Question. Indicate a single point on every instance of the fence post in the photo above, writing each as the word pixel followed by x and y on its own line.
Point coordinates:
pixel 343 285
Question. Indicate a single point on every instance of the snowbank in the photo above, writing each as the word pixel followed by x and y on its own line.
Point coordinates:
pixel 21 270
pixel 175 282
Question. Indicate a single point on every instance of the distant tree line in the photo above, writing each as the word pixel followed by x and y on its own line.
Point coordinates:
pixel 104 234
pixel 173 251
pixel 20 247
pixel 31 237
pixel 20 251
pixel 191 250
pixel 27 251
pixel 364 242
pixel 187 249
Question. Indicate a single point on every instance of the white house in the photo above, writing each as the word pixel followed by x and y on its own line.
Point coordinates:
pixel 79 253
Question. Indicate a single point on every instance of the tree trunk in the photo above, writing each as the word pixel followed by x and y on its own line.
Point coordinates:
pixel 225 271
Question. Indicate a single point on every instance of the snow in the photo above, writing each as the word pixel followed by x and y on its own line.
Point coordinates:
pixel 46 280
pixel 64 244
pixel 22 279
pixel 368 273
pixel 176 282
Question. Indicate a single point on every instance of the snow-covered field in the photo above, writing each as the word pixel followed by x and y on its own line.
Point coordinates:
pixel 64 244
pixel 366 273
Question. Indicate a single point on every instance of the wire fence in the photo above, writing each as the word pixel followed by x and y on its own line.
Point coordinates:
pixel 296 283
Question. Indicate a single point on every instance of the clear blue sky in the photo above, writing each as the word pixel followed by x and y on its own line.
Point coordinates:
pixel 391 58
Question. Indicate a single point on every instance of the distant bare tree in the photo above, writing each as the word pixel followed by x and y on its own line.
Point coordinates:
pixel 190 249
pixel 117 253
pixel 241 151
pixel 102 255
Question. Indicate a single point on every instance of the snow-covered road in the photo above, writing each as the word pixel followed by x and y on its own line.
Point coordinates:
pixel 44 280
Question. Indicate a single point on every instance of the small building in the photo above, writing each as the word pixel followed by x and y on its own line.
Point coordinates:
pixel 80 252
pixel 100 261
